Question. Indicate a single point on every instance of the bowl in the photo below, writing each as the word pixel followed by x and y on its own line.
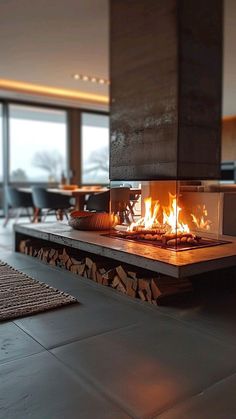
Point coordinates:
pixel 96 221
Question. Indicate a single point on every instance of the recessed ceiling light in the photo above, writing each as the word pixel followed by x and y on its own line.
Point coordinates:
pixel 92 79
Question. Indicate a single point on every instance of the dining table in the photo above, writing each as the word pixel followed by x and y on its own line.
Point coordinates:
pixel 80 193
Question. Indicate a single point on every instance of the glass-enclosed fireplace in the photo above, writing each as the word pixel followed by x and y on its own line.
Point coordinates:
pixel 172 215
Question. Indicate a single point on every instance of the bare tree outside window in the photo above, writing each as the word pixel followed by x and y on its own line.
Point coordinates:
pixel 97 162
pixel 51 162
pixel 38 143
pixel 95 149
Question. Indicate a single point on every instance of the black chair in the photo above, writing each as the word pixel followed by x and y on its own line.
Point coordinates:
pixel 134 199
pixel 120 204
pixel 99 202
pixel 18 201
pixel 46 202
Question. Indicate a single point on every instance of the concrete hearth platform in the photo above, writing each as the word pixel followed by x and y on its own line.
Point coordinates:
pixel 167 262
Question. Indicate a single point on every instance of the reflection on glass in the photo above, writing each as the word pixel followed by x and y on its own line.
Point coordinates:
pixel 38 142
pixel 95 149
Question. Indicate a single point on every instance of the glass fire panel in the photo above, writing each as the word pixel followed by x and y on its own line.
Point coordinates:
pixel 173 215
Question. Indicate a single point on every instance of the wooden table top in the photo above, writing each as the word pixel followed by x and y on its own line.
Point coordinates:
pixel 85 190
pixel 78 191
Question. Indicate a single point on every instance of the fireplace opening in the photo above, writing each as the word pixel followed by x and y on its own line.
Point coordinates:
pixel 172 215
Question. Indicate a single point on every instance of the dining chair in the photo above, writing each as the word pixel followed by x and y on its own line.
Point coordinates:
pixel 46 202
pixel 120 204
pixel 134 199
pixel 99 202
pixel 18 201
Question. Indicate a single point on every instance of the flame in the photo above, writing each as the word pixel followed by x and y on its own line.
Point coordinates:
pixel 150 218
pixel 200 219
pixel 171 217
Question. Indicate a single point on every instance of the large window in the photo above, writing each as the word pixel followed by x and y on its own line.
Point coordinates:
pixel 1 143
pixel 1 158
pixel 95 149
pixel 38 144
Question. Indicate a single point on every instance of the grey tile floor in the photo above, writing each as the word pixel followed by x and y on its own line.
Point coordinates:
pixel 110 357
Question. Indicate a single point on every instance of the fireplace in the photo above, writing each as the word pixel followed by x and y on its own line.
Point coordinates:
pixel 172 215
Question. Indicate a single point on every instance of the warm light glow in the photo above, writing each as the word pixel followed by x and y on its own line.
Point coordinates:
pixel 171 217
pixel 200 220
pixel 168 219
pixel 52 91
pixel 150 218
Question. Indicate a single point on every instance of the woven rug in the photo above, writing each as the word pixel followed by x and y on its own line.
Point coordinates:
pixel 21 295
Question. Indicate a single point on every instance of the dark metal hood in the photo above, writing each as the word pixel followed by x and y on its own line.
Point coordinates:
pixel 166 89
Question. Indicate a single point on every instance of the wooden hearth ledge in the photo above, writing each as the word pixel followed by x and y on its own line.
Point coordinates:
pixel 177 265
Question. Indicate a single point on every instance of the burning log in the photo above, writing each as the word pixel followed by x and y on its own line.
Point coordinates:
pixel 166 239
pixel 164 225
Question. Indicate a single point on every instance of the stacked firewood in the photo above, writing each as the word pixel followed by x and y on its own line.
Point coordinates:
pixel 154 288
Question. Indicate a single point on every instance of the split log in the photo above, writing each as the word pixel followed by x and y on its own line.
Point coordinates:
pixel 155 289
pixel 69 264
pixel 115 282
pixel 121 273
pixel 132 274
pixel 88 265
pixel 94 272
pixel 22 246
pixel 130 288
pixel 100 279
pixel 142 295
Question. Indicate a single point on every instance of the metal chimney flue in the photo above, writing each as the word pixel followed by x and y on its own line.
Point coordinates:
pixel 166 89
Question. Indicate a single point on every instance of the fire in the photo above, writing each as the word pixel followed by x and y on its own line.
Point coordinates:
pixel 150 218
pixel 200 219
pixel 171 218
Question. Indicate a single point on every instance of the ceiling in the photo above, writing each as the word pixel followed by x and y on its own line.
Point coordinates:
pixel 45 42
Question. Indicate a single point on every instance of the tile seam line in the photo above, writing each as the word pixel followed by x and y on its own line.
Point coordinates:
pixel 21 358
pixel 99 389
pixel 27 333
pixel 200 330
pixel 70 341
pixel 107 332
